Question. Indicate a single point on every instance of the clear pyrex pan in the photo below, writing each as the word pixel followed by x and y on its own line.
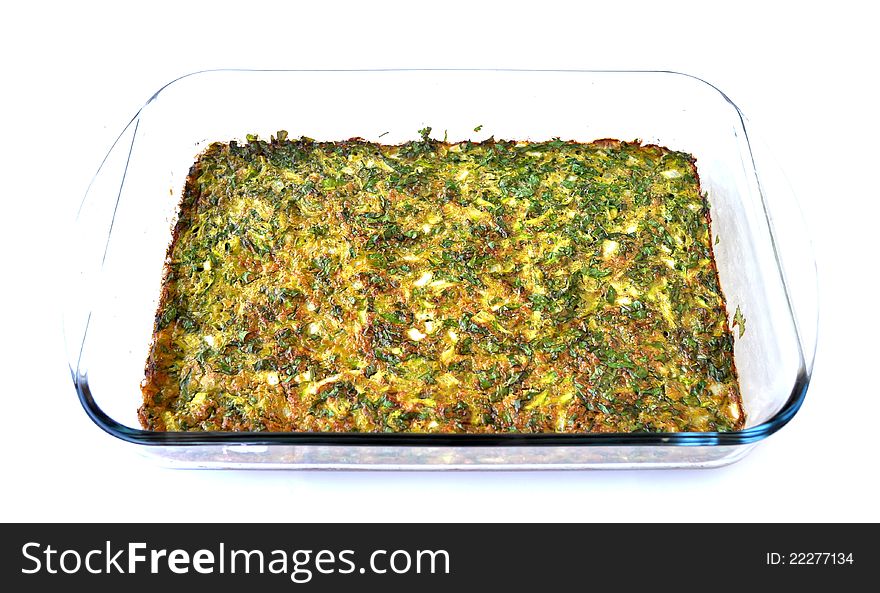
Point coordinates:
pixel 125 222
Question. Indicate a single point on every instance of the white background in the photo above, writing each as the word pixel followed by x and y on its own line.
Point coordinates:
pixel 73 75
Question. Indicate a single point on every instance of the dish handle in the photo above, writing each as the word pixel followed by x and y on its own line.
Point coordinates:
pixel 87 242
pixel 794 248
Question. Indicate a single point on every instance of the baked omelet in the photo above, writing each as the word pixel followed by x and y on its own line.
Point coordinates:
pixel 469 287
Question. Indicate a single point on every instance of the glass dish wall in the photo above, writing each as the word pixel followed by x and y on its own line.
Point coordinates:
pixel 124 227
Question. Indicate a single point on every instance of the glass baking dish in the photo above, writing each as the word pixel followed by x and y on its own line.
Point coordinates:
pixel 125 222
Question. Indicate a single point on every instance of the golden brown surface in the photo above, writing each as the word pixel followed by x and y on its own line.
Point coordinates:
pixel 437 287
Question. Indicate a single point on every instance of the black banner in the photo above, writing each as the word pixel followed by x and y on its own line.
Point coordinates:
pixel 434 557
